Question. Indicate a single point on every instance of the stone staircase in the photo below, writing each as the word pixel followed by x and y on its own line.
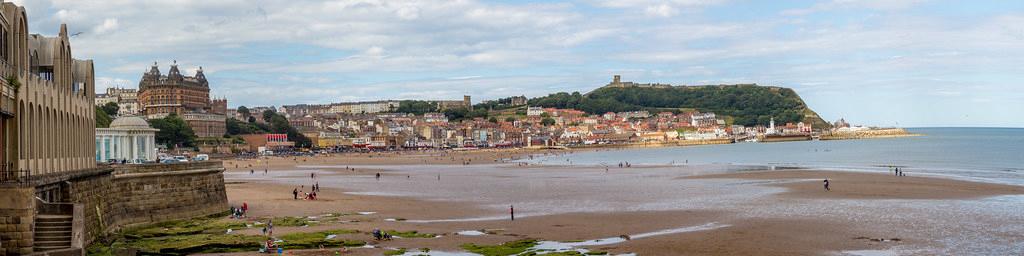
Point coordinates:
pixel 53 232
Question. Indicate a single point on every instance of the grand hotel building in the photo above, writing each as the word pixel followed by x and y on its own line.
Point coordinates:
pixel 186 96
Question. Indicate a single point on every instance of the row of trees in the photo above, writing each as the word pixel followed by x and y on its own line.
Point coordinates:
pixel 747 104
pixel 417 107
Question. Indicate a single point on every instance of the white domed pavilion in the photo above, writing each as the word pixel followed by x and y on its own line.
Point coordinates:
pixel 128 139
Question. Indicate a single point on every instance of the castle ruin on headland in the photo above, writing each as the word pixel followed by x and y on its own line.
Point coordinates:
pixel 618 83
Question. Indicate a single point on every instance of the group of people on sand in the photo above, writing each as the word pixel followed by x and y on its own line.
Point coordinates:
pixel 239 212
pixel 311 195
pixel 897 171
pixel 625 164
pixel 380 235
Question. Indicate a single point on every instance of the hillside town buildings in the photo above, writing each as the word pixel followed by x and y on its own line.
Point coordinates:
pixel 186 96
pixel 127 100
pixel 365 107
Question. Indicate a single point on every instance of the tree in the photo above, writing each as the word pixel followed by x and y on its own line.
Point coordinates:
pixel 236 127
pixel 251 119
pixel 510 119
pixel 244 111
pixel 173 131
pixel 111 108
pixel 102 119
pixel 416 107
pixel 268 114
pixel 493 120
pixel 545 115
pixel 547 121
pixel 279 124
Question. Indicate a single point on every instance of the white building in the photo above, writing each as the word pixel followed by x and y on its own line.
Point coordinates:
pixel 128 138
pixel 534 111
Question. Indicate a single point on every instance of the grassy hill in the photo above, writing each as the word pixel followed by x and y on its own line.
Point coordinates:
pixel 744 104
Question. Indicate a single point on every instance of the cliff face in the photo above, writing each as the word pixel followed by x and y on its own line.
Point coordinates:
pixel 744 104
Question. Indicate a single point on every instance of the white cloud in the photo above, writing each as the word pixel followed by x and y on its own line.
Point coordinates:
pixel 659 8
pixel 102 83
pixel 882 5
pixel 107 26
pixel 663 10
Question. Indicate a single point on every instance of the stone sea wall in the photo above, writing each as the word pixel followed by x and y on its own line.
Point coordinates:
pixel 116 197
pixel 141 194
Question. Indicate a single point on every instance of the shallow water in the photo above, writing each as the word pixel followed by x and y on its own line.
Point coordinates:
pixel 987 154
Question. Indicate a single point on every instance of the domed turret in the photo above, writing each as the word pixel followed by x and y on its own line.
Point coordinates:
pixel 130 122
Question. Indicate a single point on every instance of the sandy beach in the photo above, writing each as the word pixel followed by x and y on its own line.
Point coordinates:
pixel 665 210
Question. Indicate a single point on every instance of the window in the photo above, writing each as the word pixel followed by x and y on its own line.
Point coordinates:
pixel 106 148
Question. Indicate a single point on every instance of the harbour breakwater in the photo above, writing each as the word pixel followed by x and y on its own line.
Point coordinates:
pixel 97 201
pixel 867 134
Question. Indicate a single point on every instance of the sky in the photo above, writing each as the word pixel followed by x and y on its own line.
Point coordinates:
pixel 907 63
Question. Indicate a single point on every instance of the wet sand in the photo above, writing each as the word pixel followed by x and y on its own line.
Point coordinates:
pixel 763 212
pixel 860 185
pixel 399 157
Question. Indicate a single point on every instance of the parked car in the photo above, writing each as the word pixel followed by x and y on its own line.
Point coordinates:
pixel 181 159
pixel 201 157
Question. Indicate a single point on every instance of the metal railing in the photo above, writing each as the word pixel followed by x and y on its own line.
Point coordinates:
pixel 8 176
pixel 49 208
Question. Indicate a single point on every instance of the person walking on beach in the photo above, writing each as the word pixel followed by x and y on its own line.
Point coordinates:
pixel 826 185
pixel 295 194
pixel 378 176
pixel 512 212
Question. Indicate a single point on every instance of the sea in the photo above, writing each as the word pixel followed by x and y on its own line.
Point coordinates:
pixel 982 154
